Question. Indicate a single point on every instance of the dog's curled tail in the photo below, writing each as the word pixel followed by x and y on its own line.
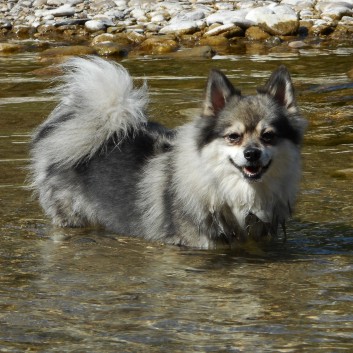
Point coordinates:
pixel 96 101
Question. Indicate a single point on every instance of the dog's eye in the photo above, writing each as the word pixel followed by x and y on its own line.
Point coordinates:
pixel 233 138
pixel 268 137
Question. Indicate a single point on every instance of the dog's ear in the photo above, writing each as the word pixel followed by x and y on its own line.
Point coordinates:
pixel 218 91
pixel 280 87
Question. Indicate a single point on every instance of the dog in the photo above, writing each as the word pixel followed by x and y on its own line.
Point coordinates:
pixel 230 175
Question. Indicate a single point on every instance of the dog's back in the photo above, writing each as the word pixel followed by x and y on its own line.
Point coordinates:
pixel 109 179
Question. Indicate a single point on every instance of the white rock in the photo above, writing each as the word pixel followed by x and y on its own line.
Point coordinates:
pixel 335 1
pixel 142 19
pixel 41 13
pixel 64 10
pixel 120 3
pixel 319 24
pixel 48 18
pixel 285 11
pixel 207 10
pixel 204 1
pixel 220 29
pixel 336 12
pixel 345 20
pixel 158 18
pixel 30 19
pixel 153 27
pixel 258 14
pixel 223 6
pixel 188 16
pixel 237 17
pixel 99 39
pixel 114 13
pixel 75 2
pixel 180 27
pixel 128 22
pixel 200 24
pixel 278 20
pixel 107 20
pixel 55 2
pixel 325 6
pixel 173 8
pixel 37 3
pixel 138 13
pixel 299 3
pixel 35 24
pixel 297 44
pixel 217 17
pixel 95 25
pixel 247 4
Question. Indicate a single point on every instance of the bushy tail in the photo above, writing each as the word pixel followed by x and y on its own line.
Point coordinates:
pixel 97 101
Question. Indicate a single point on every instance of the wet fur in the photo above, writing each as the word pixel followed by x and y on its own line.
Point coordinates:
pixel 98 160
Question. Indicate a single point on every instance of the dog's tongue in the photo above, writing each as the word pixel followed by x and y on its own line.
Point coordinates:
pixel 252 169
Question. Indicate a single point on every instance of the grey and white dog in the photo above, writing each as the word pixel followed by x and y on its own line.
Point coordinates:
pixel 229 175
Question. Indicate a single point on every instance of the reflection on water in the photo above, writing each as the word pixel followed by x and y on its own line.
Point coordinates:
pixel 85 290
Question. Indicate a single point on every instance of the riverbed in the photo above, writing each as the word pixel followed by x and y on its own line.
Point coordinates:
pixel 87 290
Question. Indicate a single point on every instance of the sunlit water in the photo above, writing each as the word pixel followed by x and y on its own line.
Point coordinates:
pixel 85 290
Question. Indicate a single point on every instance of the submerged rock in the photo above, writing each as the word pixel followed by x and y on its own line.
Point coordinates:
pixel 343 173
pixel 48 71
pixel 10 48
pixel 158 45
pixel 111 49
pixel 59 54
pixel 297 44
pixel 350 73
pixel 103 38
pixel 198 52
pixel 214 41
pixel 256 33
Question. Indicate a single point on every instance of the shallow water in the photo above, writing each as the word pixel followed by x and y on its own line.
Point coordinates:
pixel 85 290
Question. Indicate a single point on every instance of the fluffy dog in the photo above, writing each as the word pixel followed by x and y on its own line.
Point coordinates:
pixel 229 175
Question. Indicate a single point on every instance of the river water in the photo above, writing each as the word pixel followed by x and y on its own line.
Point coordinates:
pixel 86 290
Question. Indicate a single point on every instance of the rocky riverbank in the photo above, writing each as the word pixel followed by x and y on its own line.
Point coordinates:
pixel 123 27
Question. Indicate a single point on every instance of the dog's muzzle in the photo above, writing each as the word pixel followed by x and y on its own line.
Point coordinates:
pixel 253 170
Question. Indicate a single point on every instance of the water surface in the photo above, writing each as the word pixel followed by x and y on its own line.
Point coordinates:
pixel 86 290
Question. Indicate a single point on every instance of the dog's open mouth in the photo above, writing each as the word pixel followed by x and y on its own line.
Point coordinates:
pixel 252 172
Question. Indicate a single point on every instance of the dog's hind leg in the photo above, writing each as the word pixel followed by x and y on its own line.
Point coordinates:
pixel 64 200
pixel 61 206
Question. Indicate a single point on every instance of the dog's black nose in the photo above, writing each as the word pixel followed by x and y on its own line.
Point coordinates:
pixel 252 154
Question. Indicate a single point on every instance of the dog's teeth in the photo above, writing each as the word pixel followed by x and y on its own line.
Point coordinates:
pixel 252 172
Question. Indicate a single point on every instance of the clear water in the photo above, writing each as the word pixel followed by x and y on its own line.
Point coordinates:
pixel 85 290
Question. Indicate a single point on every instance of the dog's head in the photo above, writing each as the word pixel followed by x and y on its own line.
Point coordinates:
pixel 250 132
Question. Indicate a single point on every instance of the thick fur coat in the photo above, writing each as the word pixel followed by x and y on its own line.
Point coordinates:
pixel 230 174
